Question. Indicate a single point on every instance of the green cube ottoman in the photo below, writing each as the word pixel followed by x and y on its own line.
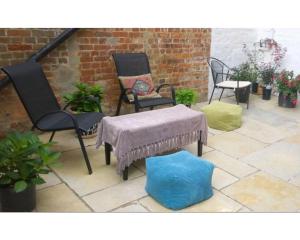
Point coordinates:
pixel 223 116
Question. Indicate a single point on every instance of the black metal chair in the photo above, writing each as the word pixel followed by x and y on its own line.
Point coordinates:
pixel 221 78
pixel 42 107
pixel 135 64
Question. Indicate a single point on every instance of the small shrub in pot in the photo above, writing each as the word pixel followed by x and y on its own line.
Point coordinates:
pixel 288 87
pixel 23 159
pixel 86 98
pixel 186 96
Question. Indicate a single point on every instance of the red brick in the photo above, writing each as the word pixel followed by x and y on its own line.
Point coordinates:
pixel 19 32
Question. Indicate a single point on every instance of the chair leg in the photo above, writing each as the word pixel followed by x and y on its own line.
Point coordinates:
pixel 52 136
pixel 199 146
pixel 237 95
pixel 136 107
pixel 107 147
pixel 119 106
pixel 125 174
pixel 221 94
pixel 211 95
pixel 248 101
pixel 86 158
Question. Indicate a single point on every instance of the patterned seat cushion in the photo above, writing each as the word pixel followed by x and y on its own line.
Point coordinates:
pixel 142 84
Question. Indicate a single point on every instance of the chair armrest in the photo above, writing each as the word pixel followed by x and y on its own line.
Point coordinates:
pixel 228 75
pixel 55 112
pixel 172 89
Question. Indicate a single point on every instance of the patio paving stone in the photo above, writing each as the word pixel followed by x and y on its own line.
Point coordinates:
pixel 74 172
pixel 295 180
pixel 113 197
pixel 261 131
pixel 51 180
pixel 217 203
pixel 59 198
pixel 229 164
pixel 221 179
pixel 244 210
pixel 66 140
pixel 131 208
pixel 280 159
pixel 234 144
pixel 262 192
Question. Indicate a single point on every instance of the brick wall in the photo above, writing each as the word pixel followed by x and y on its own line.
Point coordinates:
pixel 176 55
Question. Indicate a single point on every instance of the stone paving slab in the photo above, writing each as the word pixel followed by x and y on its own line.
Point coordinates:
pixel 131 208
pixel 59 198
pixel 113 197
pixel 217 203
pixel 74 172
pixel 229 164
pixel 234 144
pixel 280 159
pixel 262 192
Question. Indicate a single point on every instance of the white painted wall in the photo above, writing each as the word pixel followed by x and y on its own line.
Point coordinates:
pixel 226 45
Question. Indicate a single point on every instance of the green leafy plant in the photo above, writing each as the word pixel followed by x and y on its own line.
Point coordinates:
pixel 23 157
pixel 267 73
pixel 86 98
pixel 244 72
pixel 186 96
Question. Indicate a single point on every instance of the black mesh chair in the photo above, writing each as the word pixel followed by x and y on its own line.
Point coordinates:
pixel 42 107
pixel 221 78
pixel 134 64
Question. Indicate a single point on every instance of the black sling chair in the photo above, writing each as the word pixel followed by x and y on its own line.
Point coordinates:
pixel 134 64
pixel 42 107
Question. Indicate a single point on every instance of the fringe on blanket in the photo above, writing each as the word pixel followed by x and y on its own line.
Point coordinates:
pixel 158 147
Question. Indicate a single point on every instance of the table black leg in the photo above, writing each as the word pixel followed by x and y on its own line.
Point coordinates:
pixel 200 145
pixel 125 174
pixel 107 153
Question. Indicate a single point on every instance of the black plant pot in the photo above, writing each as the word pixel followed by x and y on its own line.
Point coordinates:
pixel 254 87
pixel 286 101
pixel 242 94
pixel 24 201
pixel 266 93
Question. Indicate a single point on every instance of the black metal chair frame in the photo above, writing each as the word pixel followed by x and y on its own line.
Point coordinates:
pixel 135 70
pixel 35 121
pixel 225 74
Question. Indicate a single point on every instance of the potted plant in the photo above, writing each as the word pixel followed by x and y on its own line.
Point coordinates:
pixel 288 87
pixel 267 75
pixel 266 52
pixel 244 72
pixel 86 98
pixel 186 96
pixel 23 158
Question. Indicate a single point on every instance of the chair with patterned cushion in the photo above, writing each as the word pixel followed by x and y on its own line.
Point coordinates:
pixel 136 83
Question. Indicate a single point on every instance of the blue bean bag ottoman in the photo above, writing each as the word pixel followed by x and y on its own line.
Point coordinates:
pixel 179 180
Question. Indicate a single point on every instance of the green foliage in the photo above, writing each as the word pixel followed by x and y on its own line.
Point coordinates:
pixel 23 157
pixel 86 98
pixel 186 96
pixel 267 73
pixel 244 72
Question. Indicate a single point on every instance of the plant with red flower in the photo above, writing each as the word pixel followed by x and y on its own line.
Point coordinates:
pixel 288 85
